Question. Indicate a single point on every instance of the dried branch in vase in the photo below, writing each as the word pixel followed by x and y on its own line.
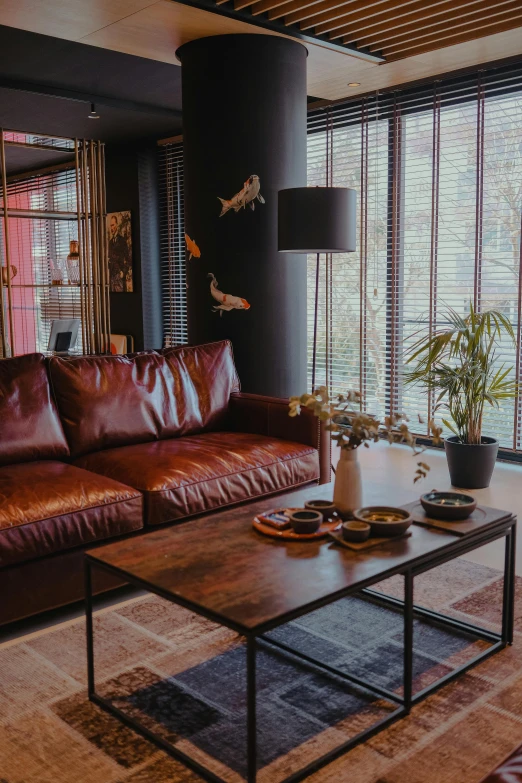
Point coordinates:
pixel 352 428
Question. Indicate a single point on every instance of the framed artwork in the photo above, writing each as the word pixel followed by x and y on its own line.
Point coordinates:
pixel 120 252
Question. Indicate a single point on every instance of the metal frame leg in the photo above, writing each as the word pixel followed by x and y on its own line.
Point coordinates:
pixel 89 627
pixel 508 597
pixel 408 640
pixel 251 710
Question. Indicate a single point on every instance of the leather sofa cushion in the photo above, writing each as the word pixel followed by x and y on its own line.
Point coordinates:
pixel 199 473
pixel 29 425
pixel 48 507
pixel 110 401
pixel 107 401
pixel 204 378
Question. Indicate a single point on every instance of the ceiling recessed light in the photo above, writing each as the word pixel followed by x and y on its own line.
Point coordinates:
pixel 93 115
pixel 354 84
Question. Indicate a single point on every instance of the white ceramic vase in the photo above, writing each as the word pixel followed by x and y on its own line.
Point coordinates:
pixel 348 484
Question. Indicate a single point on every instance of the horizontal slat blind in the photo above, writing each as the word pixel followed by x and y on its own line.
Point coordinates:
pixel 172 238
pixel 438 170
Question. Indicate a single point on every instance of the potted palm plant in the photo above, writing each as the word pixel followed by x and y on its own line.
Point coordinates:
pixel 460 366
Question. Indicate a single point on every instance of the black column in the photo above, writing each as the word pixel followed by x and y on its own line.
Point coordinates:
pixel 244 114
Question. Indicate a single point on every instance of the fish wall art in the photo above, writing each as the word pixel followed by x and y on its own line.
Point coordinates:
pixel 192 248
pixel 247 195
pixel 226 301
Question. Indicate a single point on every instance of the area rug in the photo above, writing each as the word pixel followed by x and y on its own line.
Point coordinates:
pixel 184 677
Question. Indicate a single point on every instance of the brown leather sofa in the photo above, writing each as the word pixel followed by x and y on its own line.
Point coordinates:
pixel 98 447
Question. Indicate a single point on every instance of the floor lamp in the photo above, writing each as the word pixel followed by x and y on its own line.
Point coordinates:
pixel 317 220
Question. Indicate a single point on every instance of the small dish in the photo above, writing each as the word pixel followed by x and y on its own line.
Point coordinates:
pixel 305 520
pixel 326 507
pixel 448 505
pixel 356 531
pixel 385 521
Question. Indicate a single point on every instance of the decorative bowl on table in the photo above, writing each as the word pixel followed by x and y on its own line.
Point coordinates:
pixel 452 506
pixel 305 520
pixel 326 507
pixel 385 521
pixel 355 531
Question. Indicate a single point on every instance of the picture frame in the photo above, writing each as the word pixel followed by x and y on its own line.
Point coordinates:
pixel 119 238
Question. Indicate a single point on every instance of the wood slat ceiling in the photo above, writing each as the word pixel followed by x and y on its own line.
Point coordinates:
pixel 393 29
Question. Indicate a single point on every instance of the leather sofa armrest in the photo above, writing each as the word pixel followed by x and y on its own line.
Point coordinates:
pixel 268 416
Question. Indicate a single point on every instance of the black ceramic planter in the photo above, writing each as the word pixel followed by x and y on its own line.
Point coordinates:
pixel 471 466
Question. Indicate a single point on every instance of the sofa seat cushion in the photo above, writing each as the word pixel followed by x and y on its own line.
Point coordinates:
pixel 47 507
pixel 194 474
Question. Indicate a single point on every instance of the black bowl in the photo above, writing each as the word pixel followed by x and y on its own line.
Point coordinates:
pixel 448 505
pixel 304 520
pixel 325 507
pixel 355 531
pixel 385 521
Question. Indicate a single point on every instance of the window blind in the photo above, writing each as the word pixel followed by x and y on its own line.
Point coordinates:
pixel 172 244
pixel 438 170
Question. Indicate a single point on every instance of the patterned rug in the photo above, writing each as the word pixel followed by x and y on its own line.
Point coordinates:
pixel 184 677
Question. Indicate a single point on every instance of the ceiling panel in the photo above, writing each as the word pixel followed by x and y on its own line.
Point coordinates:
pixel 408 26
pixel 66 18
pixel 419 38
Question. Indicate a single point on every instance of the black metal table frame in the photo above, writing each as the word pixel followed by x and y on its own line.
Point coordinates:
pixel 506 529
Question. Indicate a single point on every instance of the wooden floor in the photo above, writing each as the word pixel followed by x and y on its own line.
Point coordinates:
pixel 386 467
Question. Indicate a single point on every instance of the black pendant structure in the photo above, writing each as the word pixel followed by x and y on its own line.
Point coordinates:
pixel 244 136
pixel 317 220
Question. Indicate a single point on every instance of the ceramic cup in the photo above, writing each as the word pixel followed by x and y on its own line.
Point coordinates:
pixel 305 520
pixel 355 531
pixel 326 507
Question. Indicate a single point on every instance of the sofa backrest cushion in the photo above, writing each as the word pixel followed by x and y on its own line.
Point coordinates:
pixel 109 401
pixel 204 378
pixel 29 425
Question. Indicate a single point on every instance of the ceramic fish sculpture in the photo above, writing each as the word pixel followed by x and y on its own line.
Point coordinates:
pixel 247 195
pixel 226 301
pixel 193 249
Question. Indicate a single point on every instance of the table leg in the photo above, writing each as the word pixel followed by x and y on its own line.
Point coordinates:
pixel 251 710
pixel 508 603
pixel 89 627
pixel 408 640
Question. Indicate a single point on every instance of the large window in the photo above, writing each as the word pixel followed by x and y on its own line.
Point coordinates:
pixel 438 173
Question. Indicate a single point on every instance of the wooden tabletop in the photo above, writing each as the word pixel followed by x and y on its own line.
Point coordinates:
pixel 244 579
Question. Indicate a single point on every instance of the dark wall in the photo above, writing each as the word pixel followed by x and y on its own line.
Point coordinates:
pixel 244 113
pixel 131 182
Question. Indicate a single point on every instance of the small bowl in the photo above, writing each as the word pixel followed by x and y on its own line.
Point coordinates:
pixel 448 505
pixel 305 520
pixel 385 521
pixel 326 507
pixel 355 531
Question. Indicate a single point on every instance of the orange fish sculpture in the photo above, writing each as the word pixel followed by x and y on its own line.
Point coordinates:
pixel 193 249
pixel 226 301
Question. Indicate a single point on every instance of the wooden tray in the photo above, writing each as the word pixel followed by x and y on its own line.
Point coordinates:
pixel 482 517
pixel 370 543
pixel 288 534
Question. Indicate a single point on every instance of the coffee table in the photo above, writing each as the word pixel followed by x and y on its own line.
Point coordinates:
pixel 217 566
